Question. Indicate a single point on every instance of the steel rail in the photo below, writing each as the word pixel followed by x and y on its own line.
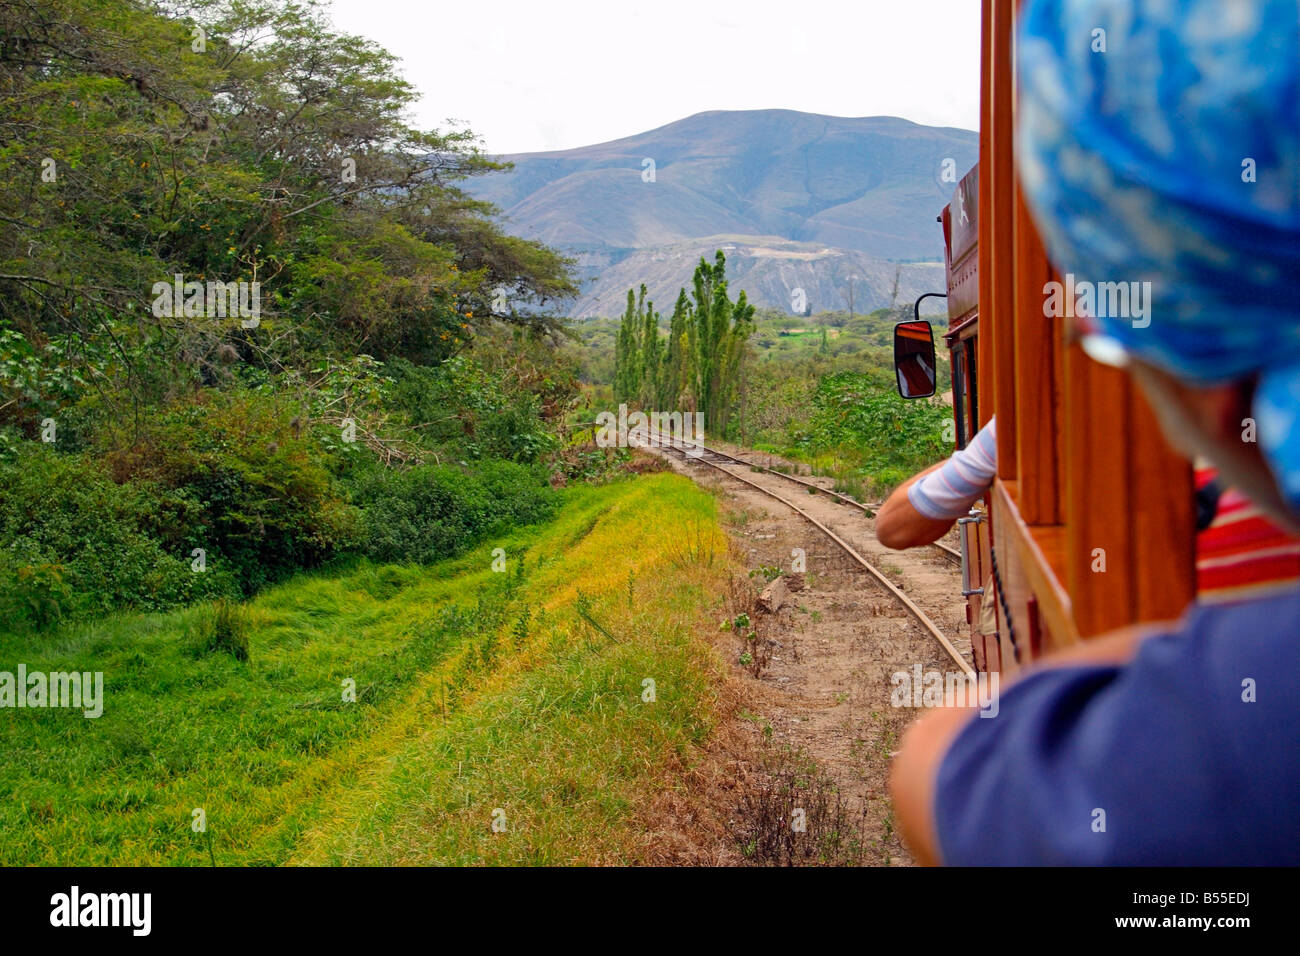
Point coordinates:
pixel 922 618
pixel 869 510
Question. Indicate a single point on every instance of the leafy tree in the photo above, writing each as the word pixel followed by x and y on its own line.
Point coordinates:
pixel 699 366
pixel 722 329
pixel 235 140
pixel 651 356
pixel 675 381
pixel 247 141
pixel 627 352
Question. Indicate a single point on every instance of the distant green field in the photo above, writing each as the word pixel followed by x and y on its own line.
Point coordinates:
pixel 514 697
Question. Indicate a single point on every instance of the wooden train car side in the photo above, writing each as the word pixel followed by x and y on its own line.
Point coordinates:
pixel 1089 524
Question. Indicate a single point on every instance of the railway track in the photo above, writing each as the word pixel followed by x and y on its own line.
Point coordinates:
pixel 719 460
pixel 869 510
pixel 951 553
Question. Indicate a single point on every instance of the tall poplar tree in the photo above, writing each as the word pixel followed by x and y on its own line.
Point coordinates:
pixel 627 354
pixel 651 355
pixel 675 383
pixel 722 329
pixel 698 367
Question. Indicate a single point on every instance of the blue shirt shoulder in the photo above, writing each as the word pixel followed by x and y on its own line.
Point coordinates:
pixel 1187 756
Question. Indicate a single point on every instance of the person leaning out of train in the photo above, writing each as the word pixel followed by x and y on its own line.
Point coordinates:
pixel 1170 744
pixel 922 509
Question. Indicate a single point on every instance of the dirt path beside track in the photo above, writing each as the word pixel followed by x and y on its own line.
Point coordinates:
pixel 816 685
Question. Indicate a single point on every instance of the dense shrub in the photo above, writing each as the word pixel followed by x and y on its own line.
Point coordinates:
pixel 431 512
pixel 264 504
pixel 264 486
pixel 73 542
pixel 520 495
pixel 464 405
pixel 863 415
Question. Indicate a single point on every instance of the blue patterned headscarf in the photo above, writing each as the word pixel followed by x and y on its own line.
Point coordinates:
pixel 1159 140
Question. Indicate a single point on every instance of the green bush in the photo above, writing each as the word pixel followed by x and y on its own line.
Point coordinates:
pixel 862 416
pixel 463 406
pixel 431 512
pixel 520 495
pixel 35 595
pixel 245 479
pixel 246 482
pixel 74 543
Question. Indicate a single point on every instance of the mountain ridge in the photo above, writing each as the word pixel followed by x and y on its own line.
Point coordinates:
pixel 862 185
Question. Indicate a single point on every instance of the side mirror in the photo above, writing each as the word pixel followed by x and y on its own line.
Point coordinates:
pixel 914 359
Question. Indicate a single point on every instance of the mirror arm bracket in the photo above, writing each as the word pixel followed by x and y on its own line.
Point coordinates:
pixel 916 306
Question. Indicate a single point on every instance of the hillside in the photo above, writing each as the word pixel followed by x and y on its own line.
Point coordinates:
pixel 767 268
pixel 858 192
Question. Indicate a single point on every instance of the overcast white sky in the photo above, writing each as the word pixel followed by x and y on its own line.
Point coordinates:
pixel 553 74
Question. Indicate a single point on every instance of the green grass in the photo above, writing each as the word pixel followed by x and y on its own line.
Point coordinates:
pixel 475 690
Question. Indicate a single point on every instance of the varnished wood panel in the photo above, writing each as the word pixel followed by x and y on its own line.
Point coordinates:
pixel 1092 512
pixel 1128 503
pixel 1164 555
pixel 985 364
pixel 1033 562
pixel 1036 372
pixel 1001 185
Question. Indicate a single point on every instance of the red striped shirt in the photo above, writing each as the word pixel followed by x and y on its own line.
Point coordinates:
pixel 1242 554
